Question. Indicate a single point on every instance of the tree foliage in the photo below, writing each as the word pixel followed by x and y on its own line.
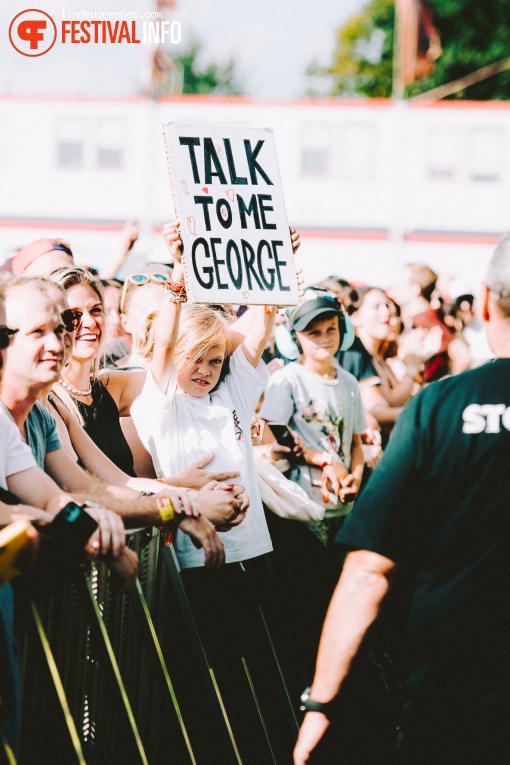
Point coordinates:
pixel 211 78
pixel 473 34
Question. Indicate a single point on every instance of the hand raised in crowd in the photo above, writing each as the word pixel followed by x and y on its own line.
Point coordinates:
pixel 195 477
pixel 123 570
pixel 172 237
pixel 224 504
pixel 295 239
pixel 203 535
pixel 418 345
pixel 182 501
pixel 130 234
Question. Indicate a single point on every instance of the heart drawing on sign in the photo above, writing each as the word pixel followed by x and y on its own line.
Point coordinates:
pixel 230 194
pixel 184 187
pixel 246 295
pixel 205 189
pixel 220 151
pixel 190 220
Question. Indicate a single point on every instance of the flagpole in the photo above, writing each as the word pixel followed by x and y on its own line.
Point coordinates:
pixel 398 87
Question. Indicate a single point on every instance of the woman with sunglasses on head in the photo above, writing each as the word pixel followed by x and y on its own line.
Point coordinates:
pixel 100 402
pixel 141 292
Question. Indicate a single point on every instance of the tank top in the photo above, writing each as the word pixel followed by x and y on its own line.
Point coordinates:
pixel 101 422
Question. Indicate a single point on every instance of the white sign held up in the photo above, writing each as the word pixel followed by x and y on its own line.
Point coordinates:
pixel 228 196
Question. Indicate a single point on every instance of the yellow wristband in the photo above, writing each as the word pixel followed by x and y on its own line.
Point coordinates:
pixel 165 509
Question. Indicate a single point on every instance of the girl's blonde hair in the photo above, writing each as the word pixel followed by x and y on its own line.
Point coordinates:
pixel 200 328
pixel 72 276
pixel 143 338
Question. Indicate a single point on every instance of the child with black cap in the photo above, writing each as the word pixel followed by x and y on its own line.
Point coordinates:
pixel 321 403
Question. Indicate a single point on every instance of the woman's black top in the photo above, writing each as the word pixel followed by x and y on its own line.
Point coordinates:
pixel 101 422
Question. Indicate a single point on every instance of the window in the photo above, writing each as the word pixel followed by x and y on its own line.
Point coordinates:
pixel 486 154
pixel 70 148
pixel 356 151
pixel 315 154
pixel 443 154
pixel 110 144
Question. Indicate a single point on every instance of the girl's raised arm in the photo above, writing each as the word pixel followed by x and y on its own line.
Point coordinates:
pixel 258 332
pixel 166 325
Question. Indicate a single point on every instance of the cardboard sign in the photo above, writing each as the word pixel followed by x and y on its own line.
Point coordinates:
pixel 228 197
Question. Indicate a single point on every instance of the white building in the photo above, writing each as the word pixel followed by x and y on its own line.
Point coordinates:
pixel 369 184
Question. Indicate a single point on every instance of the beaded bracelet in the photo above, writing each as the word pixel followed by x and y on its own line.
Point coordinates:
pixel 177 287
pixel 176 291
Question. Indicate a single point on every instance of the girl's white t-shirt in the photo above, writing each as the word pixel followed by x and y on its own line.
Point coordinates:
pixel 178 429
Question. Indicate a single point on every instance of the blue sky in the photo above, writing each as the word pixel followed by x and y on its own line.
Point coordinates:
pixel 271 41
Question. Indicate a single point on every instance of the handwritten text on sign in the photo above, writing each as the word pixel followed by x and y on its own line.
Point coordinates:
pixel 229 199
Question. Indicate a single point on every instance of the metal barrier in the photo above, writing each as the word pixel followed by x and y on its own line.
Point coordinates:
pixel 125 679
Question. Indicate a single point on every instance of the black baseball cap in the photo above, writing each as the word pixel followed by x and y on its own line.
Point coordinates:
pixel 312 307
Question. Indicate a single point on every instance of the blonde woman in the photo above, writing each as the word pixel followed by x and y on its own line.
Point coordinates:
pixel 100 401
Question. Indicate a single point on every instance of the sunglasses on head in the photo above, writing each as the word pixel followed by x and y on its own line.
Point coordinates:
pixel 138 280
pixel 71 318
pixel 6 336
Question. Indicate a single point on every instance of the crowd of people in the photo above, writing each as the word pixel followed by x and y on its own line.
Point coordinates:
pixel 127 406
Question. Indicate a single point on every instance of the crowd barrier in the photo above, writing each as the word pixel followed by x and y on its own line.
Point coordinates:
pixel 111 679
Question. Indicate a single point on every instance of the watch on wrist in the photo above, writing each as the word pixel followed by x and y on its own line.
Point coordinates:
pixel 310 705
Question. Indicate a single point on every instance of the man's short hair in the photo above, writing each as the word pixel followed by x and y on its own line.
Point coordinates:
pixel 424 276
pixel 498 275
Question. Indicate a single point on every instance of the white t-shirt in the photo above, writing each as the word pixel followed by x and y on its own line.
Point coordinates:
pixel 15 454
pixel 326 413
pixel 178 429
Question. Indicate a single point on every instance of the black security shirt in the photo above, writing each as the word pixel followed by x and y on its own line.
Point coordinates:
pixel 438 505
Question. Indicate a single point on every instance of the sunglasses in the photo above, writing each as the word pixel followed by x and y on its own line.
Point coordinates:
pixel 6 336
pixel 71 318
pixel 138 280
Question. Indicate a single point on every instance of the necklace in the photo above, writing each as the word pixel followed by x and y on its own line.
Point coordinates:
pixel 74 390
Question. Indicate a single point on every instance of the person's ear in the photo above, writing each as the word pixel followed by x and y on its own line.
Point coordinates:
pixel 124 323
pixel 485 299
